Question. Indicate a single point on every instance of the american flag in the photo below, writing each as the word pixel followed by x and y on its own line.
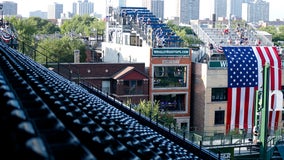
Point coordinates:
pixel 219 49
pixel 245 65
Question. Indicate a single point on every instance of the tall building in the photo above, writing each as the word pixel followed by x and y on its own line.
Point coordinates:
pixel 235 8
pixel 74 8
pixel 188 10
pixel 155 6
pixel 220 8
pixel 255 11
pixel 9 8
pixel 167 63
pixel 83 8
pixel 38 13
pixel 228 8
pixel 54 11
pixel 122 3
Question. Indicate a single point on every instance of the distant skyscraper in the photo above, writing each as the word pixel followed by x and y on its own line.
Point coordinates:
pixel 122 3
pixel 228 8
pixel 236 8
pixel 83 8
pixel 38 13
pixel 74 8
pixel 155 6
pixel 54 11
pixel 9 8
pixel 255 11
pixel 147 4
pixel 220 8
pixel 188 10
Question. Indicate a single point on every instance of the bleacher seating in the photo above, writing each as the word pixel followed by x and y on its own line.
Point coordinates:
pixel 45 116
pixel 141 19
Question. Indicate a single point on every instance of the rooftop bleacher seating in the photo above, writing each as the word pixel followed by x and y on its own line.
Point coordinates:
pixel 142 19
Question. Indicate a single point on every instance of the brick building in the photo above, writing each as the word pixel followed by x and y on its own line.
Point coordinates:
pixel 124 81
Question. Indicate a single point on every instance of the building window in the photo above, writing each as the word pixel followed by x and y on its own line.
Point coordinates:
pixel 183 126
pixel 170 76
pixel 171 102
pixel 106 86
pixel 219 117
pixel 219 94
pixel 132 87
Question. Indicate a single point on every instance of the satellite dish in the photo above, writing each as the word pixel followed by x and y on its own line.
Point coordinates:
pixel 278 95
pixel 1 6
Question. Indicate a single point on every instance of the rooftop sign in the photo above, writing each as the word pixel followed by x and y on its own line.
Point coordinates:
pixel 170 52
pixel 218 64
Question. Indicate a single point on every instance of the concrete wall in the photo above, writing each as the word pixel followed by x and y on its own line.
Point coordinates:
pixel 127 54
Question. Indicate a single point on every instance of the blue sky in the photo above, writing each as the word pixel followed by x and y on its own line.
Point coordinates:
pixel 25 6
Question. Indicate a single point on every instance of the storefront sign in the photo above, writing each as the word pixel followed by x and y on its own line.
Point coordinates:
pixel 170 52
pixel 170 61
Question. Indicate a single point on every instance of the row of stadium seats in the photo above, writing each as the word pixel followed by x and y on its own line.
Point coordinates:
pixel 45 116
pixel 29 129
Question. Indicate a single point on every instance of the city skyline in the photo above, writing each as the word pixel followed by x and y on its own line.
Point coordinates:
pixel 276 12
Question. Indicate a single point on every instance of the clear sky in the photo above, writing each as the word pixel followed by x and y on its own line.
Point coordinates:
pixel 25 6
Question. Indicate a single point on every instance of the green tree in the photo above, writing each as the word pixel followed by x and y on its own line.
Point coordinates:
pixel 27 29
pixel 42 26
pixel 173 26
pixel 270 29
pixel 281 29
pixel 186 34
pixel 151 109
pixel 55 48
pixel 60 50
pixel 277 33
pixel 148 108
pixel 99 26
pixel 32 26
pixel 167 119
pixel 82 25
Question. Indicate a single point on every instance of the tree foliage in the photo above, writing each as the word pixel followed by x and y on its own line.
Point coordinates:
pixel 270 29
pixel 186 34
pixel 60 50
pixel 82 25
pixel 148 108
pixel 32 26
pixel 151 109
pixel 54 47
pixel 277 33
pixel 28 28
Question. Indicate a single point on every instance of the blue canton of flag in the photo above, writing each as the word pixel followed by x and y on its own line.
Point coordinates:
pixel 242 67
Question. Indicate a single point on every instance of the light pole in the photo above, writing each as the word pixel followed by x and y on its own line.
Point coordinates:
pixel 1 9
pixel 263 108
pixel 118 54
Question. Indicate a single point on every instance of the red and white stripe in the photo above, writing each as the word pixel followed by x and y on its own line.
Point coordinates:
pixel 240 111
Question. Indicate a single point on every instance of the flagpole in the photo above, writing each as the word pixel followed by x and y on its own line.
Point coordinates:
pixel 258 107
pixel 264 112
